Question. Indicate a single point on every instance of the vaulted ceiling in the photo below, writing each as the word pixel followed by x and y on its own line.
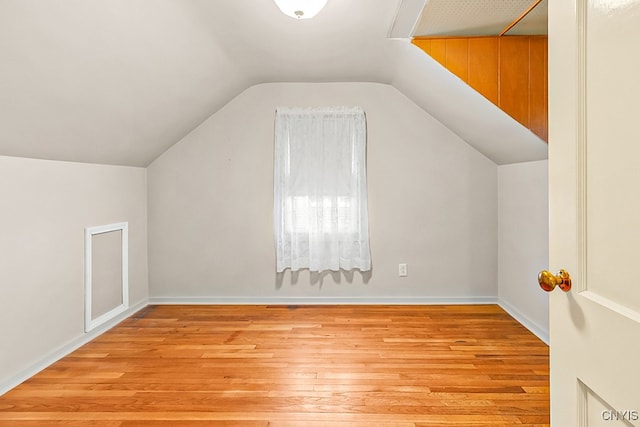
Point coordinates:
pixel 482 17
pixel 120 81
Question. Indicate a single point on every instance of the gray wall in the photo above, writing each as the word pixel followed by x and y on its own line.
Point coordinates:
pixel 467 228
pixel 45 207
pixel 432 204
pixel 524 242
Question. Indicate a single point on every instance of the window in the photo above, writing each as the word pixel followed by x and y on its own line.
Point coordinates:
pixel 320 198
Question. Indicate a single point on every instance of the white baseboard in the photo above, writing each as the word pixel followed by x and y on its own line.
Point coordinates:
pixel 322 301
pixel 66 349
pixel 532 326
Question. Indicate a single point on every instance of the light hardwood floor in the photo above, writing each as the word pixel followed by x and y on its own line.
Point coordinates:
pixel 308 366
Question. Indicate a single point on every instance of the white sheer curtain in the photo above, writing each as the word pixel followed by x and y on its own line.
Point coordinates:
pixel 320 188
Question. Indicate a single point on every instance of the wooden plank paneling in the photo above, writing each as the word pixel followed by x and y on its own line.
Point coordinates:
pixel 538 87
pixel 457 57
pixel 483 66
pixel 424 44
pixel 509 71
pixel 514 77
pixel 296 366
pixel 439 50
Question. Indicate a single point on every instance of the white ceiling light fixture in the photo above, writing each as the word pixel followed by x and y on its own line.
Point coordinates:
pixel 301 9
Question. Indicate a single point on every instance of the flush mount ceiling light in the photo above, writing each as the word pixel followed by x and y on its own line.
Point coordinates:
pixel 301 9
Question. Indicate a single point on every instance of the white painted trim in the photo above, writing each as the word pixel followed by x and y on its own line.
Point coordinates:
pixel 583 404
pixel 617 308
pixel 532 326
pixel 581 277
pixel 67 349
pixel 89 232
pixel 322 301
pixel 406 19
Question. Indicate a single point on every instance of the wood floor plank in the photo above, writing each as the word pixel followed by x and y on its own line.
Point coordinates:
pixel 396 366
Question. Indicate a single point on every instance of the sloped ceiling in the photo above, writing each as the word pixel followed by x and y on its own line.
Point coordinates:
pixel 481 18
pixel 120 81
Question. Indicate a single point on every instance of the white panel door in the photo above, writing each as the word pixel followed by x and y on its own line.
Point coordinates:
pixel 594 196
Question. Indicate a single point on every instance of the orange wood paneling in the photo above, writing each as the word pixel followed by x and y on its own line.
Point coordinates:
pixel 509 71
pixel 514 77
pixel 439 50
pixel 483 66
pixel 538 120
pixel 424 44
pixel 457 57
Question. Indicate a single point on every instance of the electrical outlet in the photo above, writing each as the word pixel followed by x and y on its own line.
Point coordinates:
pixel 402 270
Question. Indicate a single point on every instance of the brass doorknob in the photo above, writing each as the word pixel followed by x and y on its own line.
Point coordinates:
pixel 548 281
